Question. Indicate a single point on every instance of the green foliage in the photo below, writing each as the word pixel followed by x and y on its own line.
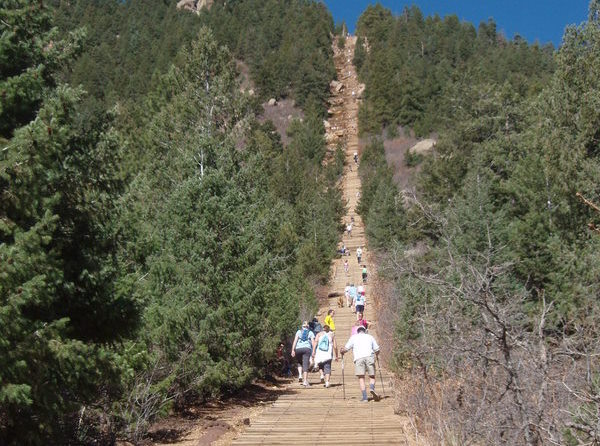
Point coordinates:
pixel 414 64
pixel 287 45
pixel 58 305
pixel 518 139
pixel 30 54
pixel 380 204
pixel 129 45
pixel 221 239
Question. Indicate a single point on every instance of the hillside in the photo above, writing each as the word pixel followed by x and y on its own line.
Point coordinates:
pixel 177 184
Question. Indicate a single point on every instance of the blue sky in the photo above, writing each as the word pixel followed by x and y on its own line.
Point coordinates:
pixel 542 20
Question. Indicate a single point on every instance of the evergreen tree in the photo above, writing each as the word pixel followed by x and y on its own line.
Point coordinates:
pixel 30 55
pixel 58 306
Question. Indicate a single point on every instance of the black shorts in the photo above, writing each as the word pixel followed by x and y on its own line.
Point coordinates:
pixel 360 308
pixel 326 367
pixel 303 357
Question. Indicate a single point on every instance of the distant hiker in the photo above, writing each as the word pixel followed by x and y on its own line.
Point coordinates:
pixel 356 158
pixel 359 304
pixel 348 296
pixel 364 273
pixel 365 348
pixel 323 349
pixel 360 322
pixel 359 254
pixel 353 293
pixel 357 194
pixel 349 229
pixel 346 266
pixel 329 319
pixel 284 364
pixel 361 289
pixel 302 350
pixel 343 251
pixel 315 326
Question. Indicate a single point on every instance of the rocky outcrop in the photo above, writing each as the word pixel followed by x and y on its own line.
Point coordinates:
pixel 423 147
pixel 194 5
pixel 336 86
pixel 360 91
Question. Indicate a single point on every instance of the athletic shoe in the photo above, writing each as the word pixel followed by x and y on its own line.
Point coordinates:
pixel 375 395
pixel 306 384
pixel 299 379
pixel 327 385
pixel 363 400
pixel 322 379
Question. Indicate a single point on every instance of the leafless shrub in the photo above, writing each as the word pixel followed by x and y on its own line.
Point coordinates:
pixel 477 367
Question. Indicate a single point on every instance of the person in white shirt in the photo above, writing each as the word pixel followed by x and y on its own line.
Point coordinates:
pixel 365 348
pixel 348 296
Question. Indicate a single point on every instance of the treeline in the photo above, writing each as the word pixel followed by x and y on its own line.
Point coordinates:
pixel 412 64
pixel 493 267
pixel 147 261
pixel 130 44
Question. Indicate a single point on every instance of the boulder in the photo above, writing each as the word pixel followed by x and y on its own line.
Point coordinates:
pixel 336 86
pixel 194 5
pixel 360 91
pixel 330 138
pixel 272 102
pixel 190 5
pixel 422 147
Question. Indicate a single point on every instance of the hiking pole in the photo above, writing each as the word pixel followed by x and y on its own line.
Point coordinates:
pixel 380 376
pixel 343 382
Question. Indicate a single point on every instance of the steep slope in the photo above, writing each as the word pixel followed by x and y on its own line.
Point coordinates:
pixel 318 415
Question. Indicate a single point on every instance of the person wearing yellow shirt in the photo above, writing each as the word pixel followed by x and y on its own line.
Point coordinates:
pixel 329 319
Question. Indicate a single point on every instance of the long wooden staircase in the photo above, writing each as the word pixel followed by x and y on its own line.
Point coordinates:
pixel 319 415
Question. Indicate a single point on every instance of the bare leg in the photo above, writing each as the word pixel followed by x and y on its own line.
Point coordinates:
pixel 361 383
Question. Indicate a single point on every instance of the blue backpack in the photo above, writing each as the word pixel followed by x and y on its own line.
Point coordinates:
pixel 304 335
pixel 324 343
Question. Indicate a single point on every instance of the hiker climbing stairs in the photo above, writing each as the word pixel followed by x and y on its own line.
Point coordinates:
pixel 319 415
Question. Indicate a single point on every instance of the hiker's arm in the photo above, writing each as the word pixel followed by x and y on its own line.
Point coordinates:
pixel 375 347
pixel 348 346
pixel 335 348
pixel 314 347
pixel 294 346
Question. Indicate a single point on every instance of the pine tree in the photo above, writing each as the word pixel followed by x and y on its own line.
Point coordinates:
pixel 30 55
pixel 58 306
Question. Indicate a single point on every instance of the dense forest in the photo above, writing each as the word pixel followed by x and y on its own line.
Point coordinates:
pixel 157 241
pixel 490 261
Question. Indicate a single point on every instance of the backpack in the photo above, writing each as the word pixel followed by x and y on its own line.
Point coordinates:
pixel 304 335
pixel 318 327
pixel 324 343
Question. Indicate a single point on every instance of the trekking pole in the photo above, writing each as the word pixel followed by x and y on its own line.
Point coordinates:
pixel 343 382
pixel 380 376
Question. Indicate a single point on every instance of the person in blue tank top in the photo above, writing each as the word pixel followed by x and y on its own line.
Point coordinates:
pixel 302 348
